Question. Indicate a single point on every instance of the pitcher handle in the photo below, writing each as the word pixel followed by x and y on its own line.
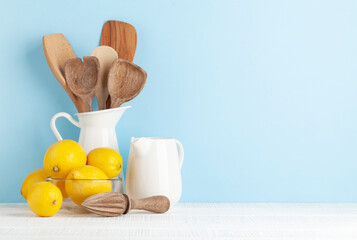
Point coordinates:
pixel 181 152
pixel 53 123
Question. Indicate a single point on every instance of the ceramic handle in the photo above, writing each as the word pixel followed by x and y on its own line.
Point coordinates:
pixel 53 123
pixel 156 204
pixel 180 152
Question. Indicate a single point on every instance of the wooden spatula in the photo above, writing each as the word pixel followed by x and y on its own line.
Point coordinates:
pixel 82 78
pixel 122 37
pixel 106 56
pixel 125 81
pixel 113 204
pixel 58 51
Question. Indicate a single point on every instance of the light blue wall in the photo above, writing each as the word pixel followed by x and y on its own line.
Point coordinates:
pixel 262 94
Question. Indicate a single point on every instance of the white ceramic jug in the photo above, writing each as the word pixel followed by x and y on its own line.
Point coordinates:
pixel 97 127
pixel 154 168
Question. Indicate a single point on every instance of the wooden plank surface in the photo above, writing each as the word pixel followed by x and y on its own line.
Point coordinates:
pixel 187 221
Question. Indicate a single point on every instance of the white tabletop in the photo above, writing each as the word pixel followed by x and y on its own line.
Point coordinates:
pixel 187 221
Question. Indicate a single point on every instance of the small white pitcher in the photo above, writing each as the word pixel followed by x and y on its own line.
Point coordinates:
pixel 97 127
pixel 154 168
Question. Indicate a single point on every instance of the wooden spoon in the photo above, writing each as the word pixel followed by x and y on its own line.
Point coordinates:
pixel 122 37
pixel 125 81
pixel 82 78
pixel 106 56
pixel 58 51
pixel 113 204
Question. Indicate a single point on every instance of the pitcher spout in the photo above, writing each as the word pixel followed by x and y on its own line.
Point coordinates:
pixel 135 140
pixel 103 118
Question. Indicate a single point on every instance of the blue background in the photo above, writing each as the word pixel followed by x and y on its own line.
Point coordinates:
pixel 262 94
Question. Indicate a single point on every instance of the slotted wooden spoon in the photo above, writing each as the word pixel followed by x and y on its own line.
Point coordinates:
pixel 58 51
pixel 125 81
pixel 82 78
pixel 122 37
pixel 106 56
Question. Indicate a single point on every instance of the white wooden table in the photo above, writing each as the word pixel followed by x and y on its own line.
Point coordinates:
pixel 187 221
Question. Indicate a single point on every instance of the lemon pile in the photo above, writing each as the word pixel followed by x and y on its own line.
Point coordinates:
pixel 82 176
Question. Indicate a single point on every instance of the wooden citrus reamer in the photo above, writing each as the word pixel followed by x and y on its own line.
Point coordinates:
pixel 113 204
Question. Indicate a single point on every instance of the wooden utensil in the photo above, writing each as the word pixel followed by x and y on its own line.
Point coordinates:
pixel 106 56
pixel 82 78
pixel 113 204
pixel 122 37
pixel 125 81
pixel 58 51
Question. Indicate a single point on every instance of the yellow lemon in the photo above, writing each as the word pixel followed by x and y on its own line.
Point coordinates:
pixel 87 181
pixel 106 159
pixel 63 156
pixel 44 199
pixel 34 177
pixel 61 185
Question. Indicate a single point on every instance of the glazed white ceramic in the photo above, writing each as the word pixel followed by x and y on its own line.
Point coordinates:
pixel 154 168
pixel 97 127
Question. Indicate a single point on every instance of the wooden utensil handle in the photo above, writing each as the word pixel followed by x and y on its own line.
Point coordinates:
pixel 156 204
pixel 87 100
pixel 115 102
